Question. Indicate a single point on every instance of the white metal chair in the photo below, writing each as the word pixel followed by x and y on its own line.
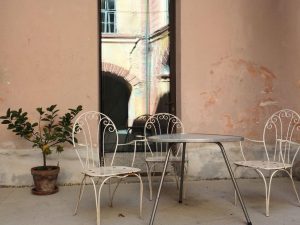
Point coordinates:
pixel 95 135
pixel 162 123
pixel 279 149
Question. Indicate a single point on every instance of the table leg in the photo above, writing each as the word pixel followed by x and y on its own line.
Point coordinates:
pixel 182 173
pixel 234 183
pixel 160 185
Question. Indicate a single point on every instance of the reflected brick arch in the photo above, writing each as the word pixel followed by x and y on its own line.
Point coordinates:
pixel 120 71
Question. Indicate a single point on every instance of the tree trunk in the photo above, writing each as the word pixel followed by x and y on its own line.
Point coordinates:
pixel 44 159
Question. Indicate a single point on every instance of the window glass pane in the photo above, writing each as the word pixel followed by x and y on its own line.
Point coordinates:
pixel 102 17
pixel 111 4
pixel 111 18
pixel 112 27
pixel 102 4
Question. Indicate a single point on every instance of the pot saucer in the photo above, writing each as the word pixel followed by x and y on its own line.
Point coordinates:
pixel 36 192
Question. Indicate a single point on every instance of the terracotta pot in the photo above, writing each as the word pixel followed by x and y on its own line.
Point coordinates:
pixel 44 179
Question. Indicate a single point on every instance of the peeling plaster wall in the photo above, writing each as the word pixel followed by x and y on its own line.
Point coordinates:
pixel 239 63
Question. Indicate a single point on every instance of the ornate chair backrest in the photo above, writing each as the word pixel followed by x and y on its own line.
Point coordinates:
pixel 139 124
pixel 163 123
pixel 281 136
pixel 95 134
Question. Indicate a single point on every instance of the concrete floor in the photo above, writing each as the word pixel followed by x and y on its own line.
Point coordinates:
pixel 207 203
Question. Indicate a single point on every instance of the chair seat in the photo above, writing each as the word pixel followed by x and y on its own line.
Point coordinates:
pixel 266 165
pixel 110 171
pixel 163 158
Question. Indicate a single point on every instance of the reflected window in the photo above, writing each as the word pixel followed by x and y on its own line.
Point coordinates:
pixel 108 16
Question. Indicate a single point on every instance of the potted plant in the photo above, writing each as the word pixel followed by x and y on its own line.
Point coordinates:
pixel 49 134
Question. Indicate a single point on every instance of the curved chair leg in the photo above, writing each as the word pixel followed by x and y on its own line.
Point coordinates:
pixel 82 185
pixel 97 196
pixel 141 192
pixel 294 187
pixel 269 190
pixel 149 175
pixel 267 195
pixel 97 200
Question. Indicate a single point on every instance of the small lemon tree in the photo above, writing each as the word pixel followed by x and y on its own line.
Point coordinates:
pixel 48 134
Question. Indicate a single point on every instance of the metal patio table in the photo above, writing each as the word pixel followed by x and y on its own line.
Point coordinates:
pixel 196 138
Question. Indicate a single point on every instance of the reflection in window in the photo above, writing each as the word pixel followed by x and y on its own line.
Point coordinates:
pixel 108 16
pixel 139 54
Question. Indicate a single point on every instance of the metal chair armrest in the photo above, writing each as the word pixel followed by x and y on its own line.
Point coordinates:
pixel 253 140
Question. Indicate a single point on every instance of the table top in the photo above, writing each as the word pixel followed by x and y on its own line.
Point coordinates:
pixel 194 138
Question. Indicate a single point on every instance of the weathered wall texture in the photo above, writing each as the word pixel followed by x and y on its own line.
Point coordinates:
pixel 238 64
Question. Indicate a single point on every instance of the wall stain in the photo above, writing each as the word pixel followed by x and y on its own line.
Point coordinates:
pixel 211 101
pixel 250 120
pixel 229 122
pixel 256 70
pixel 253 69
pixel 220 61
pixel 212 98
pixel 268 102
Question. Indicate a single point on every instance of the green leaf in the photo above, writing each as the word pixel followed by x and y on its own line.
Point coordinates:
pixel 40 110
pixel 50 109
pixel 8 112
pixel 59 148
pixel 13 114
pixel 68 129
pixel 5 122
pixel 79 108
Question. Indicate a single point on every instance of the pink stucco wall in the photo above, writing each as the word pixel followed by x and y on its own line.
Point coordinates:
pixel 239 63
pixel 48 55
pixel 238 60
